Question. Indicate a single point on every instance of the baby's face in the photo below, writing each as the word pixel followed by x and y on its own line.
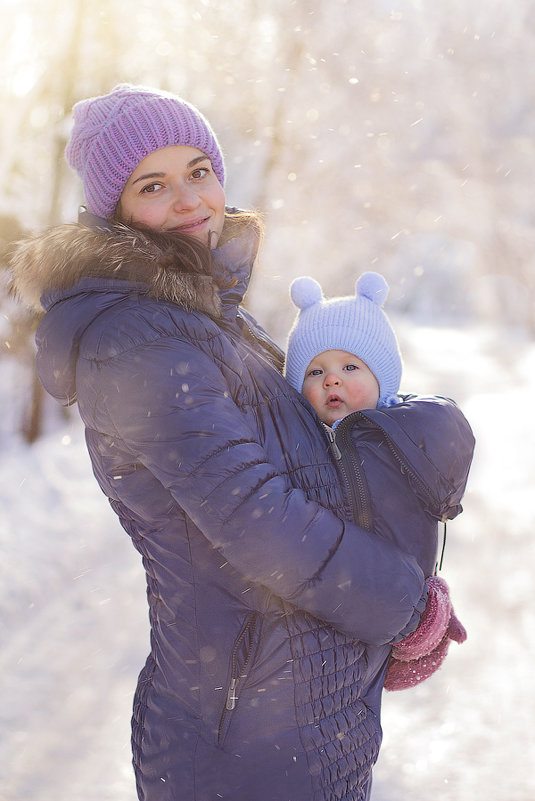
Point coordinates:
pixel 338 383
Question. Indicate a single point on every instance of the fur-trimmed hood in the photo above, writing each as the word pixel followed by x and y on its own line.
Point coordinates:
pixel 76 272
pixel 61 257
pixel 53 262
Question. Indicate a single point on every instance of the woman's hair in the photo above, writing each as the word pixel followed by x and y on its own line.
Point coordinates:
pixel 186 254
pixel 239 222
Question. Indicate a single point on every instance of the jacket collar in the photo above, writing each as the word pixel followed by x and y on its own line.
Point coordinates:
pixel 63 259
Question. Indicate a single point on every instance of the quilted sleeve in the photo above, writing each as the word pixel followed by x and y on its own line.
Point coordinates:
pixel 188 431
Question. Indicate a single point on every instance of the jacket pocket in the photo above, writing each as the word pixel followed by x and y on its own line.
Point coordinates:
pixel 241 660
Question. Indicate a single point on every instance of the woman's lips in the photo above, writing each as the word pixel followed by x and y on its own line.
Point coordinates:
pixel 192 225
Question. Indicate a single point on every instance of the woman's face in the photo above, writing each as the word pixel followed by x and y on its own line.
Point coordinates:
pixel 175 189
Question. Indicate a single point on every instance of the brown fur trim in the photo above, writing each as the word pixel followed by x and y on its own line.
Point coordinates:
pixel 60 257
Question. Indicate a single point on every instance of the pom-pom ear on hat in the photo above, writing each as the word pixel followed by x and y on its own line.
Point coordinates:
pixel 305 292
pixel 372 286
pixel 355 324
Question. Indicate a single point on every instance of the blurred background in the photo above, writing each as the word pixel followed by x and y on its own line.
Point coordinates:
pixel 371 134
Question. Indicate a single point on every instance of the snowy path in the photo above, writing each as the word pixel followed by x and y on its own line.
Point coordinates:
pixel 69 575
pixel 69 670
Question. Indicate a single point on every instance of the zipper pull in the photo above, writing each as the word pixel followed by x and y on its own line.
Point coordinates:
pixel 336 450
pixel 231 695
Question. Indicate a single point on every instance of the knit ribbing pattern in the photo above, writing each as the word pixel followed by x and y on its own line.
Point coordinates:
pixel 112 134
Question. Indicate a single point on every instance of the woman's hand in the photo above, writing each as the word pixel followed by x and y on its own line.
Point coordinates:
pixel 421 653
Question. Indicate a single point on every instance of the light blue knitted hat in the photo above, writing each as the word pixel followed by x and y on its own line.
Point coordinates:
pixel 356 324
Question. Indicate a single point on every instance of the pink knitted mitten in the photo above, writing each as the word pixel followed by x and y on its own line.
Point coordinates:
pixel 421 653
pixel 432 626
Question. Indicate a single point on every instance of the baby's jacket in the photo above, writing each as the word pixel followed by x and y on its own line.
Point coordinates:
pixel 405 468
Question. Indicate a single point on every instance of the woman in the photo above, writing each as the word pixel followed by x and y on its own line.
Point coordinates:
pixel 271 617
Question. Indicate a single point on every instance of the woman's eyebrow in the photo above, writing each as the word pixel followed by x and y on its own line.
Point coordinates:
pixel 148 175
pixel 190 164
pixel 196 160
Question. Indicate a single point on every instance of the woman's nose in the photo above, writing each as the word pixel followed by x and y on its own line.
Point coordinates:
pixel 185 198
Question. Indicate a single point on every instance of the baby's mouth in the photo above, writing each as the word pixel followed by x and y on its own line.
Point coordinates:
pixel 333 401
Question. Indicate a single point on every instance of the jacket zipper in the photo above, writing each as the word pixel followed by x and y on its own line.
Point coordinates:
pixel 358 495
pixel 403 465
pixel 361 496
pixel 237 675
pixel 405 469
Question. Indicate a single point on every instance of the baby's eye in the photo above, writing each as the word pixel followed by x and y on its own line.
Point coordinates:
pixel 349 367
pixel 315 371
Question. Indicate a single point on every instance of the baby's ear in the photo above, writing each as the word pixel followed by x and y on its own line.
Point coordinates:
pixel 305 291
pixel 372 286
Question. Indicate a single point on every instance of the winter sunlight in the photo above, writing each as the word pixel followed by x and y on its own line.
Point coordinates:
pixel 396 137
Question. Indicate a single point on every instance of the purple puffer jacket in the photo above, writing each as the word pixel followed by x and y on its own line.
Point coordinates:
pixel 270 616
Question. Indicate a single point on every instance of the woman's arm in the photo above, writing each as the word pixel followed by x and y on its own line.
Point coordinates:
pixel 184 426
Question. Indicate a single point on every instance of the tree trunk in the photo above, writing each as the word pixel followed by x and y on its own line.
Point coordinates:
pixel 32 419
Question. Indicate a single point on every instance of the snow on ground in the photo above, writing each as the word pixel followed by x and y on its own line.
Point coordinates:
pixel 467 733
pixel 74 625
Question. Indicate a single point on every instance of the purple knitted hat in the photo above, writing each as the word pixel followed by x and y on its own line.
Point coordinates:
pixel 114 132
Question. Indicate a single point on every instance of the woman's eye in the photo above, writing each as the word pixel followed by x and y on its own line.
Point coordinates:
pixel 200 173
pixel 150 188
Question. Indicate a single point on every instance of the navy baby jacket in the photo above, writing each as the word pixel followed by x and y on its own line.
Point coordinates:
pixel 406 467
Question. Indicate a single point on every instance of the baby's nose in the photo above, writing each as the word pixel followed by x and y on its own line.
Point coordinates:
pixel 331 379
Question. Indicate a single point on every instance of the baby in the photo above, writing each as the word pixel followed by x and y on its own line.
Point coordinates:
pixel 405 459
pixel 343 340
